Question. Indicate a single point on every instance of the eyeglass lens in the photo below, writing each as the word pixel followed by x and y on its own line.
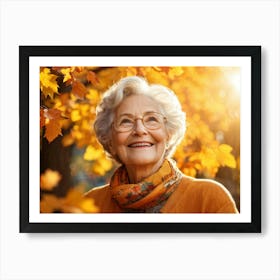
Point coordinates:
pixel 149 120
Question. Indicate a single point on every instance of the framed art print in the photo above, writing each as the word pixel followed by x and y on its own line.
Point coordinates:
pixel 63 158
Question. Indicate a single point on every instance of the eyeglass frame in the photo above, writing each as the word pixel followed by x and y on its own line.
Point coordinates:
pixel 140 118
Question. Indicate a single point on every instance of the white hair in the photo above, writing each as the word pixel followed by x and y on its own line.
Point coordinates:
pixel 164 97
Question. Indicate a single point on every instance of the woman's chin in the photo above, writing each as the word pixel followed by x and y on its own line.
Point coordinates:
pixel 142 161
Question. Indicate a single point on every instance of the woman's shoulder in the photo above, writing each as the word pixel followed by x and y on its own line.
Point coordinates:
pixel 210 195
pixel 97 191
pixel 203 185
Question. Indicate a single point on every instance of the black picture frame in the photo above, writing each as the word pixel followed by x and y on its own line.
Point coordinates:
pixel 253 52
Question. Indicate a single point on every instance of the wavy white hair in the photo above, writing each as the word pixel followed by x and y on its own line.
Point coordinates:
pixel 164 97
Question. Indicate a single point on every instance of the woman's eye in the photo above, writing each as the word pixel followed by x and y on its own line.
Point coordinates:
pixel 126 122
pixel 152 119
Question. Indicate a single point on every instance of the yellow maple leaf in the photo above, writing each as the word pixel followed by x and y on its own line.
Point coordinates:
pixel 86 125
pixel 67 140
pixel 101 166
pixel 93 95
pixel 75 115
pixel 66 72
pixel 75 202
pixel 76 133
pixel 205 161
pixel 87 205
pixel 49 179
pixel 48 83
pixel 225 157
pixel 208 159
pixel 92 153
pixel 84 108
pixel 154 77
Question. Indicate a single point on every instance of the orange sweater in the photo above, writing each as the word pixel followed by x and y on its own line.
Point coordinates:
pixel 191 196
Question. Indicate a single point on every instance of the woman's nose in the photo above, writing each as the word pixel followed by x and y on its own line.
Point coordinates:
pixel 139 127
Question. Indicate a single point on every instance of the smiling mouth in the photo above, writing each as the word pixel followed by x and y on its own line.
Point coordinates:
pixel 140 145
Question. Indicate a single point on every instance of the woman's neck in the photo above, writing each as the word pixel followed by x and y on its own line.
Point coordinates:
pixel 138 173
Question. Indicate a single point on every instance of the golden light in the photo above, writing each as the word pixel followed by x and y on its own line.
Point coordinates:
pixel 234 80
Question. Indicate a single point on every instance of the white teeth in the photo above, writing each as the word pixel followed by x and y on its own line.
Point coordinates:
pixel 140 145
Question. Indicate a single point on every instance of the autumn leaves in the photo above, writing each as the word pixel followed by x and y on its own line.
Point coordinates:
pixel 69 96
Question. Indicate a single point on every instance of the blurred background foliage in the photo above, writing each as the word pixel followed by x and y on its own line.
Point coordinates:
pixel 72 160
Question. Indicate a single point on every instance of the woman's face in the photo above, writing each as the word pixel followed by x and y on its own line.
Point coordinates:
pixel 139 147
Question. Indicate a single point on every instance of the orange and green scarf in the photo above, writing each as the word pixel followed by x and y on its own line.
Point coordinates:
pixel 148 195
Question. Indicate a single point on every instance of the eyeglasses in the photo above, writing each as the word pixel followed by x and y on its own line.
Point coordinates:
pixel 151 121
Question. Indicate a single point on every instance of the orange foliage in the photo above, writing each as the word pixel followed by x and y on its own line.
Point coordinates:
pixel 73 202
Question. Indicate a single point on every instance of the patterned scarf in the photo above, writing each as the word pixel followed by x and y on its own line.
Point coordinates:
pixel 146 196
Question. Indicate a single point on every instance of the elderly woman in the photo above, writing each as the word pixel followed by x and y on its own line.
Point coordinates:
pixel 139 125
